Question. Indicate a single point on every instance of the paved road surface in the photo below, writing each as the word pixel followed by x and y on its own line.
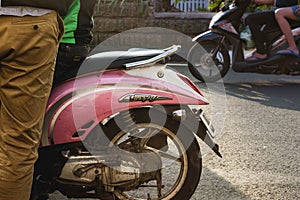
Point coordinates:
pixel 260 143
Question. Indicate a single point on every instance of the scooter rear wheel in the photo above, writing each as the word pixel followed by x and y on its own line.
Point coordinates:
pixel 208 61
pixel 180 142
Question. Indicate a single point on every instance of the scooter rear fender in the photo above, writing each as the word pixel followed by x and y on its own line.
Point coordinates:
pixel 207 35
pixel 77 106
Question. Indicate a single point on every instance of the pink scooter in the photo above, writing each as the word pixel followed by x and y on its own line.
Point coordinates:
pixel 123 132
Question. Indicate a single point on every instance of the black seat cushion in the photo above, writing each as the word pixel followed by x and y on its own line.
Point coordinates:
pixel 116 59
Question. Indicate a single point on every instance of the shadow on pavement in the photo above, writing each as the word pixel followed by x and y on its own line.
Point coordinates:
pixel 213 186
pixel 279 91
pixel 280 95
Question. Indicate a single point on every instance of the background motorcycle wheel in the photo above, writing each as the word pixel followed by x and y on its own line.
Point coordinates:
pixel 208 61
pixel 190 163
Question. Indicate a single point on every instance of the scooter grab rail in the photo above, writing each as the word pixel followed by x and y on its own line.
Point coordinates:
pixel 167 53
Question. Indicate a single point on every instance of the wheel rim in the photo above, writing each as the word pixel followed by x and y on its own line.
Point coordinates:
pixel 209 66
pixel 174 160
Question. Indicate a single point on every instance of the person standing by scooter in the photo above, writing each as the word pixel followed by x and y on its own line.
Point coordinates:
pixel 264 20
pixel 281 15
pixel 28 48
pixel 74 46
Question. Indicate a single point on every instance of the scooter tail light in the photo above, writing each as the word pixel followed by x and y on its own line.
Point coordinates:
pixel 189 83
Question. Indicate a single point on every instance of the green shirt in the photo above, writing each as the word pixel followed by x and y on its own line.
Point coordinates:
pixel 79 22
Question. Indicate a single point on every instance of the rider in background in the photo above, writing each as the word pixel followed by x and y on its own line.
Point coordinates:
pixel 282 14
pixel 258 21
pixel 74 46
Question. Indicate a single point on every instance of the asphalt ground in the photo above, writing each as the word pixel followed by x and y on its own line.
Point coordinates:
pixel 260 141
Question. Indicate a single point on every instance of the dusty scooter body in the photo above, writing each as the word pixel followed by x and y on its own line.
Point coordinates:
pixel 224 35
pixel 123 131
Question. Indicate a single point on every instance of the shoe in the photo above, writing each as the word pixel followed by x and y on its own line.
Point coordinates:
pixel 288 51
pixel 254 58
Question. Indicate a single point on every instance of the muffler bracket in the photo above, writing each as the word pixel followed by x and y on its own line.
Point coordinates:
pixel 198 124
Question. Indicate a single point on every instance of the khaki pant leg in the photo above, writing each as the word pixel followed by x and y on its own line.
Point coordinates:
pixel 28 48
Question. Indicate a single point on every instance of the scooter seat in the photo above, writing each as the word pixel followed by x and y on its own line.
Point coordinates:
pixel 116 59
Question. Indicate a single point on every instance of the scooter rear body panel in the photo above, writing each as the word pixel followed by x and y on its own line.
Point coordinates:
pixel 78 105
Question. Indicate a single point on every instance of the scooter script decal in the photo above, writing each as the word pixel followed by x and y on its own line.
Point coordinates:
pixel 142 98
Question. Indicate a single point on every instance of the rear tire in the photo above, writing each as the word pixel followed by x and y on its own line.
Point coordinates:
pixel 190 162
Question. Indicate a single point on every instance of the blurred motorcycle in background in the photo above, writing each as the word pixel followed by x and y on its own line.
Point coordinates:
pixel 209 59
